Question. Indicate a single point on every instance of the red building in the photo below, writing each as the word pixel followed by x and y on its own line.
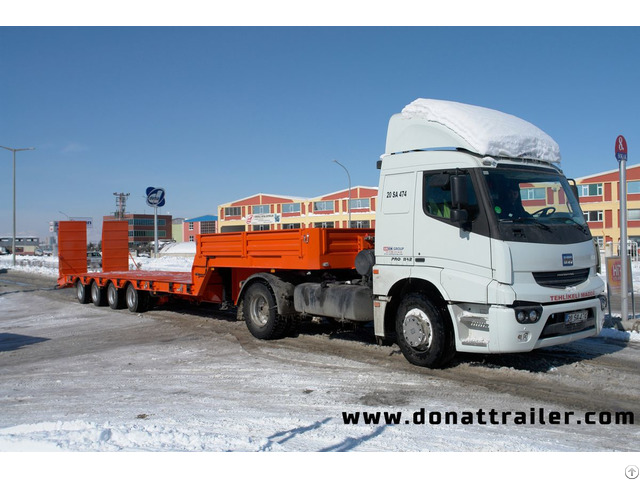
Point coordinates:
pixel 277 212
pixel 195 226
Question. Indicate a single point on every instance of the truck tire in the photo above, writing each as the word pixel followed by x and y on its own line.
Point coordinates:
pixel 83 292
pixel 261 314
pixel 137 300
pixel 98 294
pixel 422 333
pixel 115 297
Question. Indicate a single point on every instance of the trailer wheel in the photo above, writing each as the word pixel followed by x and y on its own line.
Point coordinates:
pixel 115 296
pixel 83 292
pixel 98 295
pixel 422 334
pixel 137 300
pixel 261 314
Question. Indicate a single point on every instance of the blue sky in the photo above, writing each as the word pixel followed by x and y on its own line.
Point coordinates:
pixel 213 114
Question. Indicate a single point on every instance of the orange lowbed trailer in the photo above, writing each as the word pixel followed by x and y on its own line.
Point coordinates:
pixel 224 266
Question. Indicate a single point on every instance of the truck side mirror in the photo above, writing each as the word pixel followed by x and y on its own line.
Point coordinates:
pixel 459 196
pixel 459 200
pixel 459 216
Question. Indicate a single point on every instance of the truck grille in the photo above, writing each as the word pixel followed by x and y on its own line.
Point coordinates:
pixel 562 278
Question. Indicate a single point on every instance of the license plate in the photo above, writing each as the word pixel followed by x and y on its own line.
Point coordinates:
pixel 576 317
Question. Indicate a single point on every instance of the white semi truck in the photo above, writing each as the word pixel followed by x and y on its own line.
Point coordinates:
pixel 479 246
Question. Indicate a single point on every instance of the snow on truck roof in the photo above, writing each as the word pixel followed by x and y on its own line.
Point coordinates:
pixel 427 124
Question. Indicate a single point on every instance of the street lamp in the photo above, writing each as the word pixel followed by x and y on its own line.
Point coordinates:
pixel 14 150
pixel 349 178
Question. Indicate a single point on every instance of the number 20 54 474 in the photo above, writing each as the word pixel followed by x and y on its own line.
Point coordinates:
pixel 397 194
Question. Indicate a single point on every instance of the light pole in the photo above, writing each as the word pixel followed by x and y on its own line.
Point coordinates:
pixel 14 150
pixel 349 178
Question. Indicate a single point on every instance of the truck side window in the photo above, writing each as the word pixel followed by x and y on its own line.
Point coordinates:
pixel 437 196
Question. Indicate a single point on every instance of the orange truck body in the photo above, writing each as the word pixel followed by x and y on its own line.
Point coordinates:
pixel 239 254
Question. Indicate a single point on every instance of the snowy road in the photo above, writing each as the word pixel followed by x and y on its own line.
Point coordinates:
pixel 81 378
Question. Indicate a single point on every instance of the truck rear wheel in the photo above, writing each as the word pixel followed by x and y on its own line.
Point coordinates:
pixel 83 292
pixel 115 296
pixel 261 314
pixel 98 295
pixel 422 334
pixel 137 300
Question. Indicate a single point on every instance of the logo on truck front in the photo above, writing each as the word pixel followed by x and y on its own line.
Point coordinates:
pixel 567 259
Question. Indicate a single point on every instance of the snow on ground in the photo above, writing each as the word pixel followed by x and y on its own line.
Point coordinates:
pixel 217 396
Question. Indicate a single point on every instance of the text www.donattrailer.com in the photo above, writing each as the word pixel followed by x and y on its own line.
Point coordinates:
pixel 533 416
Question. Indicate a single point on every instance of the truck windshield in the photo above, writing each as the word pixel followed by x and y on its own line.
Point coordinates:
pixel 535 205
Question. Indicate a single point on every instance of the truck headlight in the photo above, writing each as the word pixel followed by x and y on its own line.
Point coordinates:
pixel 528 313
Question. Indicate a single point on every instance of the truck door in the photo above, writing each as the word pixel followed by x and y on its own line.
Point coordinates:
pixel 394 225
pixel 461 250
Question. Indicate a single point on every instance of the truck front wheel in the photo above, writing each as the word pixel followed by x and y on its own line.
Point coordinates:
pixel 422 334
pixel 261 313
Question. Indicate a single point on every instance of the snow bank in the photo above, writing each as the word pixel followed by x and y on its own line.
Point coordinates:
pixel 46 266
pixel 179 248
pixel 488 131
pixel 614 334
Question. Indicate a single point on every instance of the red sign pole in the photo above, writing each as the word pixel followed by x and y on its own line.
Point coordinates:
pixel 621 156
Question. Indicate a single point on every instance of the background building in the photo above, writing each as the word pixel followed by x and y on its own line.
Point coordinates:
pixel 141 227
pixel 176 229
pixel 24 245
pixel 195 226
pixel 600 202
pixel 278 212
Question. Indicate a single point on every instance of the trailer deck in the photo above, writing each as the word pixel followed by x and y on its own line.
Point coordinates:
pixel 231 257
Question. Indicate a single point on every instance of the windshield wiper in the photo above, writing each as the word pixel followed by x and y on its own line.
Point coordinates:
pixel 583 228
pixel 533 220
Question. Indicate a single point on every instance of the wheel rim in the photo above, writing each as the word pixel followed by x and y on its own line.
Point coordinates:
pixel 416 329
pixel 79 290
pixel 259 310
pixel 112 294
pixel 131 297
pixel 94 292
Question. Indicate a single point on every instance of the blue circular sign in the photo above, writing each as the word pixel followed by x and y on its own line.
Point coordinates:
pixel 155 197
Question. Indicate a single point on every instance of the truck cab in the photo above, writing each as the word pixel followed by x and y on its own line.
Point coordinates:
pixel 481 245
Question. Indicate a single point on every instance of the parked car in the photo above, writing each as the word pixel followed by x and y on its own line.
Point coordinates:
pixel 94 259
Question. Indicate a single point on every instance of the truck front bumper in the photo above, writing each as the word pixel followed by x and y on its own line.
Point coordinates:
pixel 498 331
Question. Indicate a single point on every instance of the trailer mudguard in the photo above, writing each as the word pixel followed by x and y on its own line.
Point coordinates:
pixel 282 291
